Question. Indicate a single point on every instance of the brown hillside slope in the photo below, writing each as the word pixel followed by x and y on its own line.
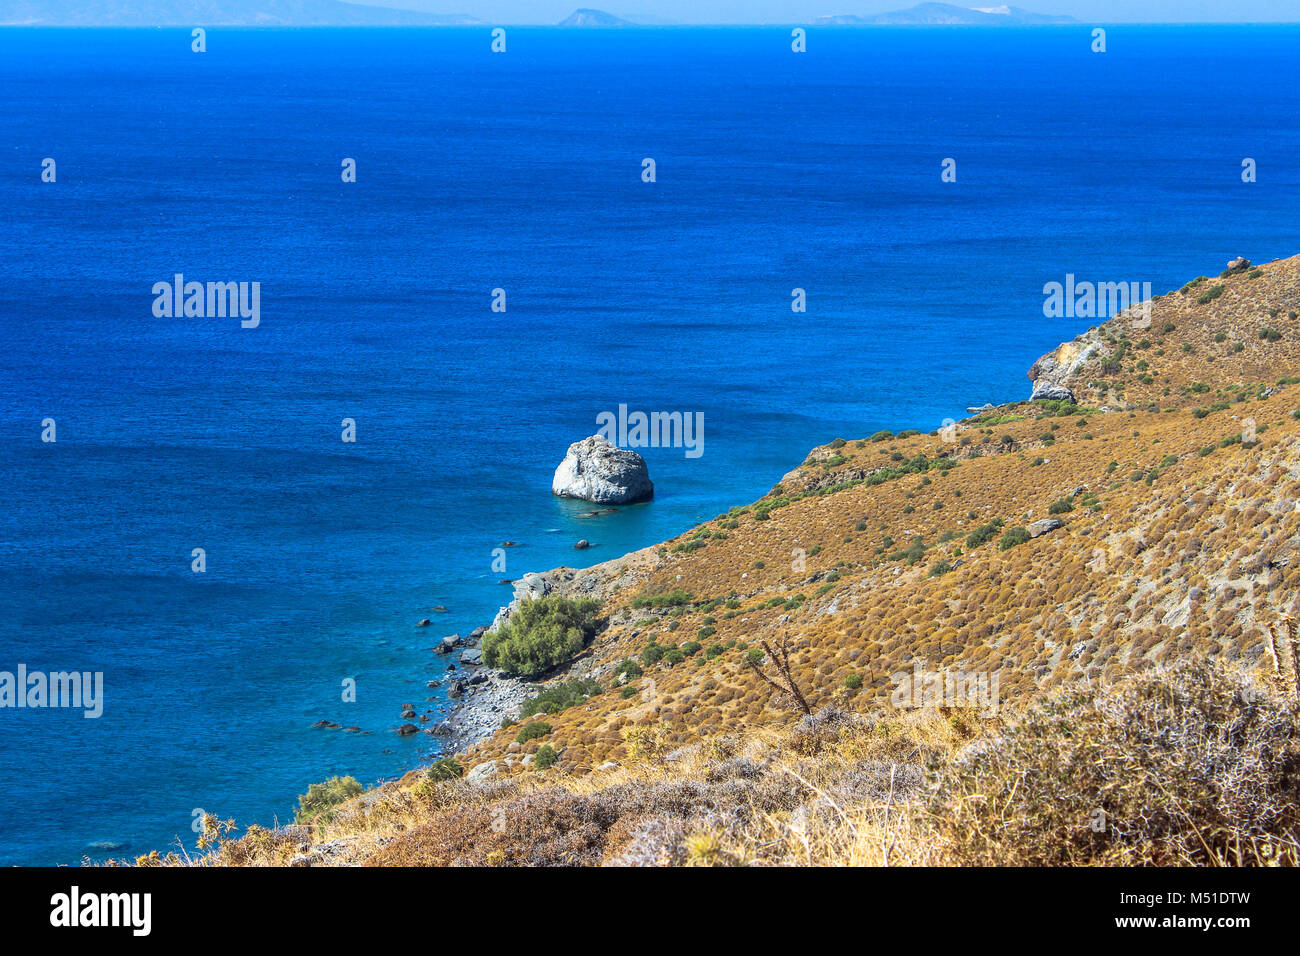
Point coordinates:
pixel 1176 483
pixel 1181 538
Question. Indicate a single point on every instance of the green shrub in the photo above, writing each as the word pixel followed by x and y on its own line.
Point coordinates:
pixel 554 699
pixel 676 598
pixel 319 801
pixel 1060 506
pixel 763 510
pixel 627 667
pixel 445 769
pixel 533 730
pixel 652 653
pixel 984 533
pixel 546 757
pixel 541 634
pixel 853 681
pixel 1013 537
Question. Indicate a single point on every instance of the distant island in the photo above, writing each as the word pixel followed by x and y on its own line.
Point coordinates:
pixel 190 13
pixel 948 14
pixel 594 18
pixel 339 13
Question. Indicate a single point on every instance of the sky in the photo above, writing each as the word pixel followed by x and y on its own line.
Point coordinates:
pixel 787 11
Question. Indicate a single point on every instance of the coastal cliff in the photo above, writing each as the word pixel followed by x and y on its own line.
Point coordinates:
pixel 1114 555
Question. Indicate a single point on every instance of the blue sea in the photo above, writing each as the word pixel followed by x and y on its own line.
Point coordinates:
pixel 520 171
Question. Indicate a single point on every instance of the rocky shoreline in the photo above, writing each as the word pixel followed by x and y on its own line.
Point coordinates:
pixel 483 697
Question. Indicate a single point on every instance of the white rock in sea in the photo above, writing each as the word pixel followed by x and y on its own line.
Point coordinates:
pixel 599 471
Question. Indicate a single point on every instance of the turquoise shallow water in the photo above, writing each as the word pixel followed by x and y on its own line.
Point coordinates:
pixel 522 171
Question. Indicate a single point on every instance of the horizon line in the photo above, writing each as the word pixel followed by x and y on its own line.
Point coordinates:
pixel 645 26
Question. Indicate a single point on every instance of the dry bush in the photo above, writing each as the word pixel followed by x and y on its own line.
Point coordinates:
pixel 1190 765
pixel 548 827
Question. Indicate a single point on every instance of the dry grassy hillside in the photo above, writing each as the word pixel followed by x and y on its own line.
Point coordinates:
pixel 1175 481
pixel 1179 538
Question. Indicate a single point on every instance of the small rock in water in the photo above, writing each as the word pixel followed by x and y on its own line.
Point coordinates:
pixel 106 845
pixel 583 545
pixel 423 622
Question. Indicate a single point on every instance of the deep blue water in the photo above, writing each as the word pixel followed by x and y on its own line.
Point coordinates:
pixel 519 171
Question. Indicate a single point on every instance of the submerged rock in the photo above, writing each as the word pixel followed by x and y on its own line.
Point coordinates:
pixel 599 471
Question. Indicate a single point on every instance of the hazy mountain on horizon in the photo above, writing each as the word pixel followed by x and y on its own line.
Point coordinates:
pixel 948 14
pixel 190 13
pixel 586 17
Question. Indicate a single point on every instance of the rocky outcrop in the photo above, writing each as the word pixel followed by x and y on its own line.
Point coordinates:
pixel 1043 526
pixel 597 470
pixel 1053 371
pixel 597 581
